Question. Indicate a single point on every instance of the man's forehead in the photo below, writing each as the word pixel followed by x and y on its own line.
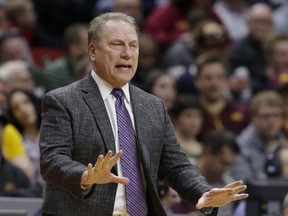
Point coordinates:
pixel 119 30
pixel 112 24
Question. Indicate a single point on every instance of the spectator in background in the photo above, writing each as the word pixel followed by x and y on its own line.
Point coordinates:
pixel 183 51
pixel 65 70
pixel 210 39
pixel 219 113
pixel 131 7
pixel 276 50
pixel 162 85
pixel 168 22
pixel 148 59
pixel 256 139
pixel 247 56
pixel 25 111
pixel 220 150
pixel 14 47
pixel 12 179
pixel 187 115
pixel 233 13
pixel 15 74
pixel 22 15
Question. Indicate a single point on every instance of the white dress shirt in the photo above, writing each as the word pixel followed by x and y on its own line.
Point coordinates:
pixel 109 101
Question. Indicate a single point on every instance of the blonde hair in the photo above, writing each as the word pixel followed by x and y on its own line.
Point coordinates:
pixel 266 97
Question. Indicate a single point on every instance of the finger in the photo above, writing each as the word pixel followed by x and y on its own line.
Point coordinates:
pixel 200 204
pixel 221 191
pixel 99 163
pixel 89 172
pixel 240 196
pixel 121 180
pixel 90 169
pixel 240 188
pixel 234 184
pixel 204 201
pixel 115 158
pixel 106 160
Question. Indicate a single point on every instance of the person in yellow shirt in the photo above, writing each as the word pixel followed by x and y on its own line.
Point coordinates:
pixel 14 151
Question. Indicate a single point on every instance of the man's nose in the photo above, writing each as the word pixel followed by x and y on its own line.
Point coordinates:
pixel 126 51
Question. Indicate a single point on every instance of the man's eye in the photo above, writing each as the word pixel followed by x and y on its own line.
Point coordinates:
pixel 116 46
pixel 133 46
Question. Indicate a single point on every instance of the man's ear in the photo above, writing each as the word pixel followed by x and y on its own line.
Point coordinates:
pixel 92 50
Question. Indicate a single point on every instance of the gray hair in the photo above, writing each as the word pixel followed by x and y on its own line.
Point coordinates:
pixel 95 25
pixel 8 69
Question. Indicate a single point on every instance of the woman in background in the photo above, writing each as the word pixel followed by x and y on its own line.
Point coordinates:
pixel 25 111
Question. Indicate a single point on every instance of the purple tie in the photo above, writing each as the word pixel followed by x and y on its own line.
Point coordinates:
pixel 135 193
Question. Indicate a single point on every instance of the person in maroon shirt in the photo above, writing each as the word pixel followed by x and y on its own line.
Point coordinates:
pixel 220 112
pixel 168 22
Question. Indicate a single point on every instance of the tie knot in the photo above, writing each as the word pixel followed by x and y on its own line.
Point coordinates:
pixel 117 92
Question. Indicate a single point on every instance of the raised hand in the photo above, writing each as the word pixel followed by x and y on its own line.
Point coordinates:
pixel 100 173
pixel 218 197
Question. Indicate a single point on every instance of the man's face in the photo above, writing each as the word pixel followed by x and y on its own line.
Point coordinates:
pixel 280 56
pixel 115 58
pixel 23 109
pixel 22 80
pixel 190 121
pixel 268 120
pixel 164 88
pixel 260 24
pixel 79 50
pixel 12 49
pixel 221 162
pixel 212 81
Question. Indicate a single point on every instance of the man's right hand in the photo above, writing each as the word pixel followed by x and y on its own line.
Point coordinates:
pixel 100 173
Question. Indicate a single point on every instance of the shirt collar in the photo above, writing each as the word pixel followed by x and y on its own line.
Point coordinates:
pixel 106 88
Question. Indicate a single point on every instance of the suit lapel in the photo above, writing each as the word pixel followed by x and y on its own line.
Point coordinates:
pixel 93 98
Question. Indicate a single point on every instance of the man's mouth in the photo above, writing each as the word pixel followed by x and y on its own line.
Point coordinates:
pixel 123 66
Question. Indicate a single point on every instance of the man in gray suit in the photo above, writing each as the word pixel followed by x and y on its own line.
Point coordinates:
pixel 79 127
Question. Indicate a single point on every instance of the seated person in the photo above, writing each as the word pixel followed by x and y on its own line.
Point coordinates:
pixel 12 179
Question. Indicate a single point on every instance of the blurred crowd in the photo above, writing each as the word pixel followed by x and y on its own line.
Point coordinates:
pixel 221 67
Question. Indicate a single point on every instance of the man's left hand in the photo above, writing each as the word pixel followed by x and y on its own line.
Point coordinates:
pixel 218 197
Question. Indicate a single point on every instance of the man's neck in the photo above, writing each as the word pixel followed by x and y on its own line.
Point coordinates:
pixel 214 107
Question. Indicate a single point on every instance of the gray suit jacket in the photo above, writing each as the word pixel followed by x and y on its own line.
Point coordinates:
pixel 76 129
